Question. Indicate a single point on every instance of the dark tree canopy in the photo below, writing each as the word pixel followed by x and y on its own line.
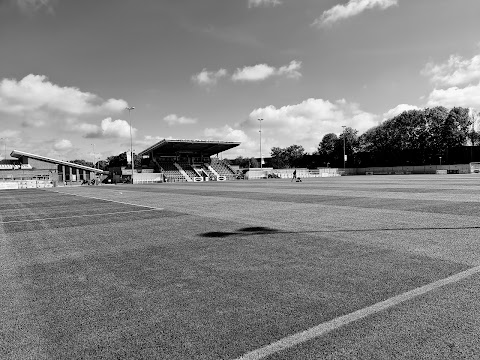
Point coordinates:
pixel 416 137
pixel 288 157
pixel 245 162
pixel 121 160
pixel 82 162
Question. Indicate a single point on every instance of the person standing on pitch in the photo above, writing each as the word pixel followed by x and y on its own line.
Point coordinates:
pixel 294 175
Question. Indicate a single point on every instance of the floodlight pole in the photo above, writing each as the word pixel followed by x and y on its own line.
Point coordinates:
pixel 260 131
pixel 94 156
pixel 343 126
pixel 5 140
pixel 130 108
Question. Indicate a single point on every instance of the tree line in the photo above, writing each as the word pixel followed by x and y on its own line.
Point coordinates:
pixel 414 137
pixel 111 161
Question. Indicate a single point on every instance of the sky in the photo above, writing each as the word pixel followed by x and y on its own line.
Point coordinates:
pixel 209 69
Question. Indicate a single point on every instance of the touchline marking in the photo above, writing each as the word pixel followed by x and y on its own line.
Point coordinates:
pixel 78 216
pixel 319 330
pixel 115 201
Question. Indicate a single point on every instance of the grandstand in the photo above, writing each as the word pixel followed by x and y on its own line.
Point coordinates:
pixel 187 160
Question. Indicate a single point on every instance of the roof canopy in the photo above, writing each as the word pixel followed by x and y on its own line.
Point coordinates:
pixel 19 154
pixel 174 147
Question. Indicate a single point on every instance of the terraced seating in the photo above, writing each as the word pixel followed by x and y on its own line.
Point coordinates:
pixel 171 172
pixel 188 170
pixel 210 174
pixel 222 168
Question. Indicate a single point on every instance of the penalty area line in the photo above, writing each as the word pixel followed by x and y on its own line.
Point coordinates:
pixel 326 327
pixel 115 201
pixel 79 216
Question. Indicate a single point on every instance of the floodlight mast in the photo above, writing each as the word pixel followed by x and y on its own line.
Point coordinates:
pixel 343 126
pixel 94 156
pixel 130 108
pixel 260 131
pixel 5 140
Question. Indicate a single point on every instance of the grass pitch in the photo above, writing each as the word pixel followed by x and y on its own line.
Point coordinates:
pixel 216 270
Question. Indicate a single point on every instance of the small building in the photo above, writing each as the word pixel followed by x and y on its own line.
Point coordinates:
pixel 36 167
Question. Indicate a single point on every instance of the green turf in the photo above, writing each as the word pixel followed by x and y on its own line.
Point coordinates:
pixel 209 277
pixel 440 325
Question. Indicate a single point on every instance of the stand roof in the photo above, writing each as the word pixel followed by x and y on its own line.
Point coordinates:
pixel 174 147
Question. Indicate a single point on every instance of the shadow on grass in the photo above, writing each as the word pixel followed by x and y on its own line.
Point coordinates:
pixel 259 230
pixel 254 230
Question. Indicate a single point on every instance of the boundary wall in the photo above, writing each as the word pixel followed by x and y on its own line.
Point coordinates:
pixel 147 178
pixel 25 184
pixel 257 173
pixel 405 170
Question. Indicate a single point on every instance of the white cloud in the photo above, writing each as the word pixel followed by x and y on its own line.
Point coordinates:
pixel 352 8
pixel 5 134
pixel 84 128
pixel 455 71
pixel 257 3
pixel 116 128
pixel 146 142
pixel 208 78
pixel 34 93
pixel 306 123
pixel 468 96
pixel 397 110
pixel 263 71
pixel 62 145
pixel 226 133
pixel 302 124
pixel 247 148
pixel 291 70
pixel 173 119
pixel 253 73
pixel 33 123
pixel 35 5
pixel 108 129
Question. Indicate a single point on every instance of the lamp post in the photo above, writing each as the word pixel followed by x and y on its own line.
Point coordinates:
pixel 5 140
pixel 440 160
pixel 93 155
pixel 130 108
pixel 343 126
pixel 260 131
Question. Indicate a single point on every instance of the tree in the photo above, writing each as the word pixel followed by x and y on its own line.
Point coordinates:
pixel 278 158
pixel 327 146
pixel 351 140
pixel 254 163
pixel 82 162
pixel 102 165
pixel 117 160
pixel 121 160
pixel 245 162
pixel 456 127
pixel 294 155
pixel 474 136
pixel 417 136
pixel 290 156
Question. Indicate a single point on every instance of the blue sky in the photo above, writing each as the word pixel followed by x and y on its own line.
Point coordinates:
pixel 208 69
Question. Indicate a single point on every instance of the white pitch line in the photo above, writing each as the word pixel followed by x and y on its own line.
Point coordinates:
pixel 115 201
pixel 78 216
pixel 326 327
